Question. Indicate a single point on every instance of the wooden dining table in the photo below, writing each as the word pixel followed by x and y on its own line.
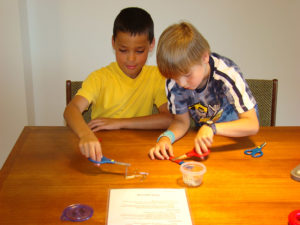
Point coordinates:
pixel 45 173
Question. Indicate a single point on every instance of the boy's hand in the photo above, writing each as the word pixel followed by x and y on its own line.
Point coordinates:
pixel 204 139
pixel 104 124
pixel 161 148
pixel 90 147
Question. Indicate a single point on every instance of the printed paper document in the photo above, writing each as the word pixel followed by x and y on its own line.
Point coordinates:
pixel 147 206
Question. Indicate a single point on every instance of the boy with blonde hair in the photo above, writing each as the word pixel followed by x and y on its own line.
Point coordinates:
pixel 209 87
pixel 123 93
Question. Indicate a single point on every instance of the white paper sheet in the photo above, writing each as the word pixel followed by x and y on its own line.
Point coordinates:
pixel 148 207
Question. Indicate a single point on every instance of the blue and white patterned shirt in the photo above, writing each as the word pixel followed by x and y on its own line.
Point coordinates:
pixel 225 95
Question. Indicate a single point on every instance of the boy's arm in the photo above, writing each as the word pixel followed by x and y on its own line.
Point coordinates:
pixel 179 126
pixel 246 125
pixel 156 121
pixel 161 120
pixel 88 144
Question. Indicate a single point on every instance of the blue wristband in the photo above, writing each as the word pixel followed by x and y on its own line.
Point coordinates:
pixel 168 134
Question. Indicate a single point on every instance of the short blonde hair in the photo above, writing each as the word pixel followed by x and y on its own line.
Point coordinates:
pixel 180 46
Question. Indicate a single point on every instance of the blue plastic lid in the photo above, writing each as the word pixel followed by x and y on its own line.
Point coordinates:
pixel 77 213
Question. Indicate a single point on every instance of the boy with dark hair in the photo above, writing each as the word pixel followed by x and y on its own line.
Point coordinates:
pixel 205 85
pixel 123 93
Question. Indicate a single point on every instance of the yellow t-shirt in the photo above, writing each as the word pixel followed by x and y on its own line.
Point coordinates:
pixel 115 95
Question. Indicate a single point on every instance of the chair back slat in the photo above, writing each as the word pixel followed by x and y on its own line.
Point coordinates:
pixel 265 94
pixel 71 89
pixel 264 91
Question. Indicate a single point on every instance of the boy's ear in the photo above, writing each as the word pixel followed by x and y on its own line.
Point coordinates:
pixel 152 45
pixel 113 42
pixel 205 57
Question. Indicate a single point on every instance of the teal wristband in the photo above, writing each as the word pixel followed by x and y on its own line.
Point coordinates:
pixel 168 134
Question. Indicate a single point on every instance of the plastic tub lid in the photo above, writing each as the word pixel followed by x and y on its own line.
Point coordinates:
pixel 77 213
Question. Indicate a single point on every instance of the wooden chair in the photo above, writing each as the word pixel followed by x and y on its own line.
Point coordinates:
pixel 264 91
pixel 71 89
pixel 265 94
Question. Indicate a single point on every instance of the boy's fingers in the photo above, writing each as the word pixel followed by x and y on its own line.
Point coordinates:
pixel 207 141
pixel 86 151
pixel 157 152
pixel 203 146
pixel 151 153
pixel 92 153
pixel 81 149
pixel 205 149
pixel 94 125
pixel 170 150
pixel 161 152
pixel 95 128
pixel 197 148
pixel 98 151
pixel 154 153
pixel 164 152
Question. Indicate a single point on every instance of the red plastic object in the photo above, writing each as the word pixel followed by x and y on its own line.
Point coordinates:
pixel 294 218
pixel 192 153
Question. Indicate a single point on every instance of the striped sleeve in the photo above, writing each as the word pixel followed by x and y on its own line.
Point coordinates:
pixel 176 100
pixel 238 92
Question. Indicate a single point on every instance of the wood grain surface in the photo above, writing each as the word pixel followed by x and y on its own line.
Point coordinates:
pixel 45 173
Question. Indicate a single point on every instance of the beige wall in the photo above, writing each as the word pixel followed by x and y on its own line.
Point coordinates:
pixel 50 41
pixel 70 39
pixel 12 86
